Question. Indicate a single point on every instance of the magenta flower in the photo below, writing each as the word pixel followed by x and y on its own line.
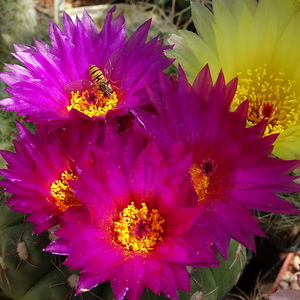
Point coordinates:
pixel 133 234
pixel 98 74
pixel 39 171
pixel 231 173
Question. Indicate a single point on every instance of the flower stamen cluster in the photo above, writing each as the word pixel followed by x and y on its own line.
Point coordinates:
pixel 200 175
pixel 200 181
pixel 62 193
pixel 92 103
pixel 271 96
pixel 139 230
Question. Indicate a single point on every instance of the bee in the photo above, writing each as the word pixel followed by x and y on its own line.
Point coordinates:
pixel 98 78
pixel 97 82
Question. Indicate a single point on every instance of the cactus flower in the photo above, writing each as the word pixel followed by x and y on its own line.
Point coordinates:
pixel 259 43
pixel 38 172
pixel 231 173
pixel 134 233
pixel 98 74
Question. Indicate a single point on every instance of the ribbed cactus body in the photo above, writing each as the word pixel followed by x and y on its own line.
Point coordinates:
pixel 216 282
pixel 27 272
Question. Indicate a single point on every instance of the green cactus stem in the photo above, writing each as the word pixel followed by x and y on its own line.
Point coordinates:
pixel 27 272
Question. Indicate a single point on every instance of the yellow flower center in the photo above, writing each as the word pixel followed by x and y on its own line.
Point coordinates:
pixel 200 181
pixel 138 229
pixel 62 193
pixel 93 103
pixel 200 175
pixel 271 97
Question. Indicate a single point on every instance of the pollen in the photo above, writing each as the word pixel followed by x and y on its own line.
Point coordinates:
pixel 200 179
pixel 272 97
pixel 93 103
pixel 138 229
pixel 62 193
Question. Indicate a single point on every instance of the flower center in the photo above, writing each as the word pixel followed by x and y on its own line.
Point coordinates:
pixel 93 103
pixel 138 230
pixel 94 97
pixel 271 97
pixel 62 193
pixel 200 177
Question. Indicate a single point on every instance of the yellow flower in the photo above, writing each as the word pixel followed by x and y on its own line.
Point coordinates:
pixel 259 43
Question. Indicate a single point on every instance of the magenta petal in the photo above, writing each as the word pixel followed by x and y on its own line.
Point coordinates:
pixel 186 216
pixel 171 250
pixel 182 277
pixel 153 267
pixel 88 281
pixel 62 247
pixel 168 281
pixel 230 221
pixel 129 278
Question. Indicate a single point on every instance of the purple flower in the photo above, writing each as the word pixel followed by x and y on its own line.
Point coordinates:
pixel 39 171
pixel 98 74
pixel 133 234
pixel 231 173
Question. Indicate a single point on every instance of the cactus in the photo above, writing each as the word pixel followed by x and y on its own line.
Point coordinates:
pixel 27 272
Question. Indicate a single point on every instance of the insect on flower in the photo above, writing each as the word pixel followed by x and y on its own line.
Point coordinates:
pixel 97 82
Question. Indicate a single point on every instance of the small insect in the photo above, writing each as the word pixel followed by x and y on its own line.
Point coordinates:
pixel 98 77
pixel 97 82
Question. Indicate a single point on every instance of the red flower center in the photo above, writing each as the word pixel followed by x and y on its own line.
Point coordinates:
pixel 208 167
pixel 141 228
pixel 267 110
pixel 272 96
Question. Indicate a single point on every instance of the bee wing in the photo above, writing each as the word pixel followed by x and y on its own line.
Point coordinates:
pixel 79 85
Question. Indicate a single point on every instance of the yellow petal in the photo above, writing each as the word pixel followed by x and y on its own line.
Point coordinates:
pixel 287 145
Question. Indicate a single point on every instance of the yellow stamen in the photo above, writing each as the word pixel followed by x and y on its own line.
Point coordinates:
pixel 271 97
pixel 62 193
pixel 200 181
pixel 138 230
pixel 93 103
